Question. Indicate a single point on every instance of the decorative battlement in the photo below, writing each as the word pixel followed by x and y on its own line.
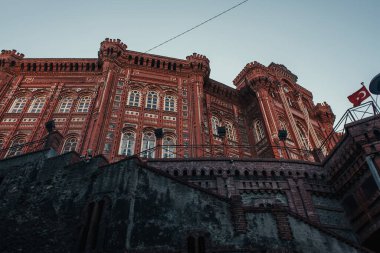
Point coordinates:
pixel 246 70
pixel 111 48
pixel 284 71
pixel 12 53
pixel 324 112
pixel 9 59
pixel 199 62
pixel 60 65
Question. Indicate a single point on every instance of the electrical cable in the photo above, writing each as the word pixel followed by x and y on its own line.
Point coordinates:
pixel 204 22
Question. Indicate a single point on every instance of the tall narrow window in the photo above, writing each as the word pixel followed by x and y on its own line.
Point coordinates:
pixel 84 104
pixel 70 145
pixel 259 130
pixel 16 147
pixel 37 105
pixel 304 138
pixel 1 143
pixel 127 144
pixel 152 100
pixel 214 125
pixel 170 102
pixel 148 143
pixel 134 98
pixel 65 105
pixel 231 134
pixel 18 105
pixel 168 147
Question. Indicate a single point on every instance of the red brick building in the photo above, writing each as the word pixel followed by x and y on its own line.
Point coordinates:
pixel 112 105
pixel 251 200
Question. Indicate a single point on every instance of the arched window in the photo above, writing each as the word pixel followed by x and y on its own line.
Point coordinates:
pixel 84 104
pixel 70 145
pixel 65 105
pixel 18 105
pixel 170 103
pixel 152 100
pixel 215 124
pixel 127 144
pixel 16 147
pixel 304 138
pixel 37 105
pixel 168 147
pixel 259 130
pixel 230 131
pixel 148 143
pixel 134 98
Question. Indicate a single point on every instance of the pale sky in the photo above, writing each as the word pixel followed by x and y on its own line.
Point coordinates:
pixel 331 46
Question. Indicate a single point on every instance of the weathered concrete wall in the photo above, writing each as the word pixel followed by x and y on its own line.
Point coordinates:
pixel 45 205
pixel 161 212
pixel 311 240
pixel 42 200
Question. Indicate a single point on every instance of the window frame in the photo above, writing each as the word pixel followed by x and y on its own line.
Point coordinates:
pixel 84 104
pixel 170 103
pixel 64 150
pixel 127 143
pixel 168 147
pixel 148 142
pixel 134 98
pixel 18 105
pixel 37 105
pixel 65 105
pixel 259 130
pixel 152 100
pixel 18 150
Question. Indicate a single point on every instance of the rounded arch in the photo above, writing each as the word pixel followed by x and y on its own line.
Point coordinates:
pixel 18 104
pixel 170 102
pixel 37 104
pixel 152 99
pixel 40 93
pixel 148 143
pixel 303 135
pixel 259 130
pixel 68 93
pixel 230 130
pixel 84 103
pixel 136 86
pixel 168 146
pixel 215 123
pixel 22 93
pixel 134 97
pixel 85 93
pixel 70 143
pixel 127 142
pixel 16 145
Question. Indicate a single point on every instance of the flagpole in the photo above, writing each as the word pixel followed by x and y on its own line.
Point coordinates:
pixel 373 100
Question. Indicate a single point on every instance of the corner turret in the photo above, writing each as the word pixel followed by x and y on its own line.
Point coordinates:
pixel 10 59
pixel 324 113
pixel 111 49
pixel 199 62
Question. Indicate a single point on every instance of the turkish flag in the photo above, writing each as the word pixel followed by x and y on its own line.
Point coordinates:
pixel 359 96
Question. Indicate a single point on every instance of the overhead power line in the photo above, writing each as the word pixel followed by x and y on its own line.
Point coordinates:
pixel 204 22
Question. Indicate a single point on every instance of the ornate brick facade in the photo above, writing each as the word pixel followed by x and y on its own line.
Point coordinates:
pixel 113 103
pixel 245 192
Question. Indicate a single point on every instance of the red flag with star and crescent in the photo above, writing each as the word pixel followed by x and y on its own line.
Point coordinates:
pixel 359 96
